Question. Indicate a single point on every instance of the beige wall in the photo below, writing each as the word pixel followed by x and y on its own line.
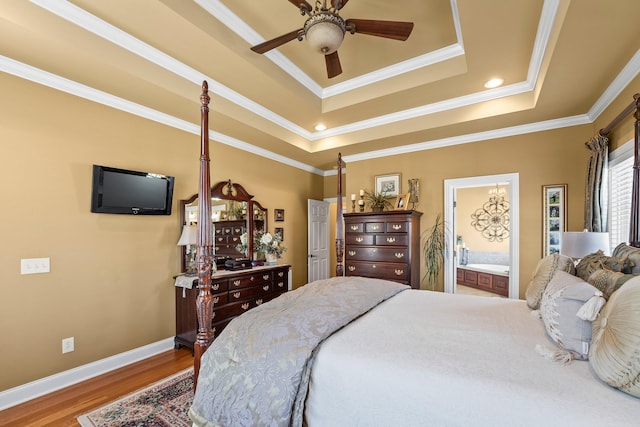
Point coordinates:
pixel 111 283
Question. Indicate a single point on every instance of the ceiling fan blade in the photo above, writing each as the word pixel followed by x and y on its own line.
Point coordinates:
pixel 334 2
pixel 302 4
pixel 388 29
pixel 333 64
pixel 273 43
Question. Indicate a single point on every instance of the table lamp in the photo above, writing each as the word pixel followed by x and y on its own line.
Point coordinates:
pixel 578 244
pixel 189 238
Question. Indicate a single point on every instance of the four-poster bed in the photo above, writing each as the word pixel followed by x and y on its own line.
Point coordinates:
pixel 373 352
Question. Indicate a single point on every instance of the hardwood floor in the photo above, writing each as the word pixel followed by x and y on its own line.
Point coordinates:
pixel 62 407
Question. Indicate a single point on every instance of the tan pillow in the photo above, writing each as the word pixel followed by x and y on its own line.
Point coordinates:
pixel 545 270
pixel 608 281
pixel 599 261
pixel 615 346
pixel 631 254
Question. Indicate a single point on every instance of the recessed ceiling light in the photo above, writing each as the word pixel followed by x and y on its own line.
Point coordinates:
pixel 320 127
pixel 493 83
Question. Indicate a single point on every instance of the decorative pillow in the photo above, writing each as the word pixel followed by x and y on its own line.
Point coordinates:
pixel 608 281
pixel 545 270
pixel 599 261
pixel 615 348
pixel 563 298
pixel 631 254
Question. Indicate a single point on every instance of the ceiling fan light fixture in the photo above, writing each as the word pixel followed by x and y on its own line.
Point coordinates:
pixel 324 32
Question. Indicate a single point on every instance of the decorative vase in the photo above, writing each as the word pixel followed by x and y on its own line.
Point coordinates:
pixel 272 259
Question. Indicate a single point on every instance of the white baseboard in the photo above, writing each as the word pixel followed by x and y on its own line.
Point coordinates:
pixel 20 394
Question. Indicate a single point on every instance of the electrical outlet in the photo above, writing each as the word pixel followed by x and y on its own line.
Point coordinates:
pixel 67 345
pixel 34 265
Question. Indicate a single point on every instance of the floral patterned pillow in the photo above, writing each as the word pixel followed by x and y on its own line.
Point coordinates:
pixel 599 261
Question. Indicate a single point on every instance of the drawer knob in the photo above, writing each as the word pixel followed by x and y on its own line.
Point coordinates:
pixel 245 306
pixel 359 239
pixel 265 276
pixel 265 288
pixel 391 239
pixel 352 253
pixel 397 227
pixel 374 250
pixel 236 295
pixel 258 301
pixel 251 278
pixel 399 255
pixel 352 268
pixel 375 227
pixel 399 272
pixel 354 227
pixel 373 266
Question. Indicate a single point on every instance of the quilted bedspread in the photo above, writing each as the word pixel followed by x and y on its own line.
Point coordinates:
pixel 257 371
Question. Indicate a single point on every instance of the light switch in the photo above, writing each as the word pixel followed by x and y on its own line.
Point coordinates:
pixel 34 265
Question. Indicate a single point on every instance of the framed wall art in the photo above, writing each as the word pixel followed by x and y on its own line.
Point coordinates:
pixel 554 217
pixel 388 184
pixel 280 231
pixel 279 214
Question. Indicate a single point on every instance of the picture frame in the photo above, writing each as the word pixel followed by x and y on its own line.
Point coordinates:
pixel 554 217
pixel 278 214
pixel 388 184
pixel 402 202
pixel 279 230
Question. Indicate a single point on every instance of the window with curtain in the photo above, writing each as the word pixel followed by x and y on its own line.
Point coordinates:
pixel 619 200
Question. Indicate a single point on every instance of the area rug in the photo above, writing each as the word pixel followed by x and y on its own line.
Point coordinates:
pixel 163 404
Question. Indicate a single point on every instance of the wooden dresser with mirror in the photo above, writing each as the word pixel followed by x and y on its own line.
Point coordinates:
pixel 234 212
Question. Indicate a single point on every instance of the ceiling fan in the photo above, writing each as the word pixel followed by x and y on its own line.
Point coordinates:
pixel 325 29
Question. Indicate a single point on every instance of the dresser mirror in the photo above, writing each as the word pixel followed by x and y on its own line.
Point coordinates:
pixel 233 213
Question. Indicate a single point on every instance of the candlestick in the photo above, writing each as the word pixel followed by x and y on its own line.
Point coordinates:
pixel 353 196
pixel 361 203
pixel 353 204
pixel 361 192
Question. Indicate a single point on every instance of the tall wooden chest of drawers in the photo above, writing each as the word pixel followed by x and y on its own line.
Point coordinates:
pixel 234 292
pixel 385 245
pixel 226 235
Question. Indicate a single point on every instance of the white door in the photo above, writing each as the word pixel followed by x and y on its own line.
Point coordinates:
pixel 318 231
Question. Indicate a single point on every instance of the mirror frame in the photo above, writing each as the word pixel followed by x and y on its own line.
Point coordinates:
pixel 226 190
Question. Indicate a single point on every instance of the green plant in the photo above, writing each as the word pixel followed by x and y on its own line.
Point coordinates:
pixel 433 250
pixel 377 202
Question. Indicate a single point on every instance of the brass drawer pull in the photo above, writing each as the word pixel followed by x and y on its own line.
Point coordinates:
pixel 252 278
pixel 352 268
pixel 216 286
pixel 397 226
pixel 265 288
pixel 399 272
pixel 359 239
pixel 354 227
pixel 375 227
pixel 280 284
pixel 391 239
pixel 265 276
pixel 258 301
pixel 236 295
pixel 399 255
pixel 236 283
pixel 352 253
pixel 281 273
pixel 373 266
pixel 245 306
pixel 216 300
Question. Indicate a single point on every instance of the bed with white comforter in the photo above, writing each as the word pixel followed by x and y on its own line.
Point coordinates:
pixel 418 358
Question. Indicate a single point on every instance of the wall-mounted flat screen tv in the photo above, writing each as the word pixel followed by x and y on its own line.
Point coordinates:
pixel 122 191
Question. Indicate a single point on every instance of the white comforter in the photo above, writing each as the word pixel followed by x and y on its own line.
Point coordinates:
pixel 432 359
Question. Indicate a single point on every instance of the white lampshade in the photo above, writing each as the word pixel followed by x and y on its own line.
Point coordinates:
pixel 577 244
pixel 324 32
pixel 189 235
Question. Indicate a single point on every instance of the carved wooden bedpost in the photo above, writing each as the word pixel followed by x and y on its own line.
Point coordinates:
pixel 634 223
pixel 204 248
pixel 339 224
